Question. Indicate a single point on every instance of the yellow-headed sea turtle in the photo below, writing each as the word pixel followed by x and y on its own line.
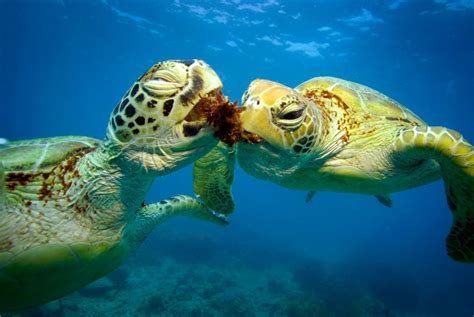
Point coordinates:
pixel 330 134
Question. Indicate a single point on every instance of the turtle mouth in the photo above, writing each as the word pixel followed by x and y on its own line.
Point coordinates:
pixel 215 110
pixel 197 118
pixel 207 106
pixel 192 128
pixel 251 138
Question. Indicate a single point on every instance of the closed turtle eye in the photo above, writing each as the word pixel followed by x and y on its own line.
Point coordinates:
pixel 164 82
pixel 165 77
pixel 291 116
pixel 161 79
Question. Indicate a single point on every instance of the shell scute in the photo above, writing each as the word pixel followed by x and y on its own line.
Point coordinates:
pixel 40 155
pixel 362 99
pixel 349 96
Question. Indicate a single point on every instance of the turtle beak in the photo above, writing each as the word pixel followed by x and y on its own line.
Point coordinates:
pixel 257 118
pixel 254 117
pixel 211 81
pixel 196 118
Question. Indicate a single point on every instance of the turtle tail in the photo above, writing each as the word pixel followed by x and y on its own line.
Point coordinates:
pixel 456 159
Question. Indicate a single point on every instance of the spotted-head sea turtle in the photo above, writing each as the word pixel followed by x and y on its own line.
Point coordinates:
pixel 330 134
pixel 72 208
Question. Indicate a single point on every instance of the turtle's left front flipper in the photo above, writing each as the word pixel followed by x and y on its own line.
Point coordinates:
pixel 152 215
pixel 213 175
pixel 456 159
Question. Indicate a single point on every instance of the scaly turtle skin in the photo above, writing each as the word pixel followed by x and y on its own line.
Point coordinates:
pixel 71 208
pixel 329 134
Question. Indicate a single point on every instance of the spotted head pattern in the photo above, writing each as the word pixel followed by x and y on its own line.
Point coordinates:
pixel 160 100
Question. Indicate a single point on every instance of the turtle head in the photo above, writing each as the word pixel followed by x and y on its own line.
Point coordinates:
pixel 280 116
pixel 158 121
pixel 285 122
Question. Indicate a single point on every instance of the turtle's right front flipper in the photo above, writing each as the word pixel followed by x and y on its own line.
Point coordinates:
pixel 150 216
pixel 456 159
pixel 213 175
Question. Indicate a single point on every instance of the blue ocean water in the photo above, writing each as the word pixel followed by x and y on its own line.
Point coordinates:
pixel 65 64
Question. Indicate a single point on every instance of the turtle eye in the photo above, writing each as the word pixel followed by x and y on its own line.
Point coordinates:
pixel 161 79
pixel 291 116
pixel 166 77
pixel 166 81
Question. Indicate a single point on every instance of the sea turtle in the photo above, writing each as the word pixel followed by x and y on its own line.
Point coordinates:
pixel 72 208
pixel 330 134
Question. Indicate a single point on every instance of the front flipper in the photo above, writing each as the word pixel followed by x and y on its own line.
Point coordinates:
pixel 310 196
pixel 213 176
pixel 385 200
pixel 152 215
pixel 456 159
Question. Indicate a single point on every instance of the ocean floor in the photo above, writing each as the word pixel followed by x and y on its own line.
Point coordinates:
pixel 192 275
pixel 171 288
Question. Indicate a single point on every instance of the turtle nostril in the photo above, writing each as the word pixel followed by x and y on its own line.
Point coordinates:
pixel 191 129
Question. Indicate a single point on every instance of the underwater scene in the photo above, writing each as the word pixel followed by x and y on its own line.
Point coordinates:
pixel 321 199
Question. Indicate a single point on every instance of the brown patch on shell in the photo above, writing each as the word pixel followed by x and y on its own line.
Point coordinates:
pixel 347 119
pixel 64 174
pixel 328 103
pixel 6 245
pixel 15 179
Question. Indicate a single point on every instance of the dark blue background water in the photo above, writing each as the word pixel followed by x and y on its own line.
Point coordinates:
pixel 65 64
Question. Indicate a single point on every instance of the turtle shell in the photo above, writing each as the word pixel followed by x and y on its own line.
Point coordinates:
pixel 361 99
pixel 47 272
pixel 41 155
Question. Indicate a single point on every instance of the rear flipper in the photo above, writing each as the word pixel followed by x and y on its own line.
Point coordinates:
pixel 385 200
pixel 456 159
pixel 310 196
